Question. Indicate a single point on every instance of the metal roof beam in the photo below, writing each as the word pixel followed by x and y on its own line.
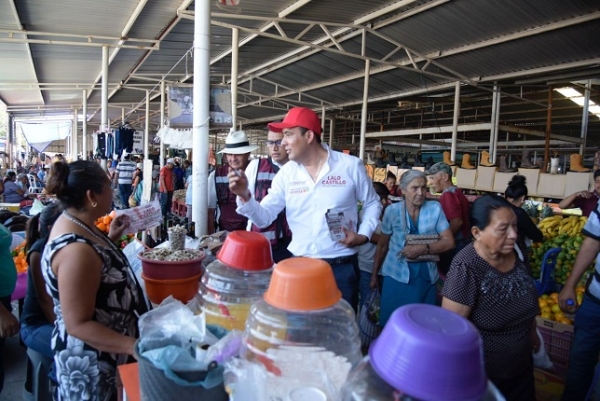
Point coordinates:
pixel 73 43
pixel 432 56
pixel 132 18
pixel 13 7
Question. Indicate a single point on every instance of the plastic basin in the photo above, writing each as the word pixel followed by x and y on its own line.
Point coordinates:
pixel 171 270
pixel 181 289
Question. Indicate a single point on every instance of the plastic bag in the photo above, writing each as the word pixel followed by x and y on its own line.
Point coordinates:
pixel 540 358
pixel 36 208
pixel 368 320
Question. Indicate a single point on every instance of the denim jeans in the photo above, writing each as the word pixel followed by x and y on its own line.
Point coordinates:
pixel 38 338
pixel 364 288
pixel 124 194
pixel 346 277
pixel 165 202
pixel 584 350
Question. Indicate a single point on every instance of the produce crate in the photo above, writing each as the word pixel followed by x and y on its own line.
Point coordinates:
pixel 558 338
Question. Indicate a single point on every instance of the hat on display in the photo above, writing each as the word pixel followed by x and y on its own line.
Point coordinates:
pixel 237 143
pixel 170 160
pixel 437 167
pixel 299 117
pixel 139 165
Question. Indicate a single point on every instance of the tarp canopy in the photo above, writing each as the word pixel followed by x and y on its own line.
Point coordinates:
pixel 40 135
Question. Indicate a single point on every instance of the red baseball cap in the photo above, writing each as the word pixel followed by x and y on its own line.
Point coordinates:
pixel 299 117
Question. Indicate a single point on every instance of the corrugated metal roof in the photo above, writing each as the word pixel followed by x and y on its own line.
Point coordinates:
pixel 447 31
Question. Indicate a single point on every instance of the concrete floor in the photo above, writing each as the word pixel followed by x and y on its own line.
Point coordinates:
pixel 15 368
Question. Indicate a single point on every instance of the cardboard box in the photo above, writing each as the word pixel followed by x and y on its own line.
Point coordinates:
pixel 551 185
pixel 577 182
pixel 465 178
pixel 532 176
pixel 13 207
pixel 485 178
pixel 501 180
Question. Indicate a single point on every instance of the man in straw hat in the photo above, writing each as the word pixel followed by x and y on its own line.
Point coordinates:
pixel 320 190
pixel 237 154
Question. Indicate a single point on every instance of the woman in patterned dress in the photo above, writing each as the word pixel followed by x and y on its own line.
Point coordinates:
pixel 97 299
pixel 488 284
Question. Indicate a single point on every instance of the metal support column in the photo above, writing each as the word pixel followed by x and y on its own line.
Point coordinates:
pixel 363 117
pixel 323 114
pixel 74 138
pixel 331 130
pixel 201 116
pixel 495 127
pixel 162 122
pixel 548 132
pixel 455 121
pixel 493 120
pixel 84 127
pixel 235 54
pixel 104 97
pixel 10 140
pixel 147 127
pixel 585 117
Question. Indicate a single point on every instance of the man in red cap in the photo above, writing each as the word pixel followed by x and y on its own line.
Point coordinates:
pixel 320 190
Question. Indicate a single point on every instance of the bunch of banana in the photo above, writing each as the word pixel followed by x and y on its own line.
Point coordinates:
pixel 571 225
pixel 550 226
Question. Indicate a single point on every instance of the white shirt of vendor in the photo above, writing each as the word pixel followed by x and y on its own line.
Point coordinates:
pixel 340 185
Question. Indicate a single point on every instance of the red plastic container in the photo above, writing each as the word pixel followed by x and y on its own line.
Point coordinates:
pixel 169 270
pixel 246 250
pixel 181 289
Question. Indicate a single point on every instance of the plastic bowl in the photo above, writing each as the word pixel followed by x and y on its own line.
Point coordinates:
pixel 430 353
pixel 302 284
pixel 170 270
pixel 181 289
pixel 246 250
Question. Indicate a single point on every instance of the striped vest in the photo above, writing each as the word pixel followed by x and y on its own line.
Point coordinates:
pixel 228 218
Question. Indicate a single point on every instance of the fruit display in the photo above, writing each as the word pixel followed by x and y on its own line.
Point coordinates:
pixel 550 310
pixel 20 258
pixel 557 225
pixel 562 233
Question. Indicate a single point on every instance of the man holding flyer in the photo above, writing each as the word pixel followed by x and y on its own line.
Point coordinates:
pixel 320 190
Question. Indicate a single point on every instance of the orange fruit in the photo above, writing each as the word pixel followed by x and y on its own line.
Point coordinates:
pixel 555 308
pixel 106 220
pixel 547 316
pixel 543 304
pixel 558 316
pixel 546 310
pixel 554 297
pixel 101 226
pixel 566 320
pixel 580 289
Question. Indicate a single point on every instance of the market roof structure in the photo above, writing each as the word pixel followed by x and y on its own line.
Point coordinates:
pixel 314 53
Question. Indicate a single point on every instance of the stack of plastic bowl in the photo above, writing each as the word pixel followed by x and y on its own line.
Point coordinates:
pixel 238 278
pixel 180 279
pixel 302 332
pixel 423 353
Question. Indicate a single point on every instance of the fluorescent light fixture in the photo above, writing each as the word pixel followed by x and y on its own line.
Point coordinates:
pixel 577 98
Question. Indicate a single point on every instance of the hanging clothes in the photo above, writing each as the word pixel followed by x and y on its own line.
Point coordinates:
pixel 124 139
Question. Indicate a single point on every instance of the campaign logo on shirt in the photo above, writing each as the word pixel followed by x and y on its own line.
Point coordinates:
pixel 300 190
pixel 334 181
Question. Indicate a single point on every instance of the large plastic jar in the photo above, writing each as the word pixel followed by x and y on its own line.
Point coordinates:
pixel 423 353
pixel 303 332
pixel 236 279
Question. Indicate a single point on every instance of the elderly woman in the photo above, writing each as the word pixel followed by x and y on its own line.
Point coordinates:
pixel 97 299
pixel 15 188
pixel 406 280
pixel 488 284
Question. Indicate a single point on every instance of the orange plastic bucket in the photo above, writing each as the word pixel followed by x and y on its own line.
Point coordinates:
pixel 181 289
pixel 302 284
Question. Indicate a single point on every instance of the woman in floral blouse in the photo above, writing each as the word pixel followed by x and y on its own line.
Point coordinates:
pixel 97 299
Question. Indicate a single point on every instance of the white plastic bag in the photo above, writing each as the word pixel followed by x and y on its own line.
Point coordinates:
pixel 540 358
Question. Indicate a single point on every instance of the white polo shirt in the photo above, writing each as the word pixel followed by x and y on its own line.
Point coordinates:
pixel 341 184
